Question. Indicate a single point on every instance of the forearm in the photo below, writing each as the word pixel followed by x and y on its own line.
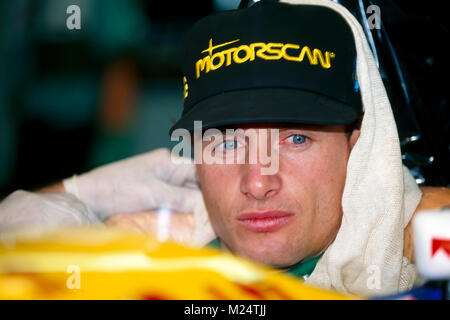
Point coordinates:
pixel 180 226
pixel 54 188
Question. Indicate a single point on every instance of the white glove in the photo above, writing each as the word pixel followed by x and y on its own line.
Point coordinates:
pixel 203 231
pixel 140 183
pixel 23 209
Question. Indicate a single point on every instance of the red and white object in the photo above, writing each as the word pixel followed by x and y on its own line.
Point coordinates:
pixel 432 244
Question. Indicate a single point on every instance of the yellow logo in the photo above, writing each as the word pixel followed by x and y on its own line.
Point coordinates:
pixel 266 51
pixel 185 87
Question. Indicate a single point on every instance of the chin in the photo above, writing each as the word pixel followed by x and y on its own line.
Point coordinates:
pixel 272 258
pixel 277 262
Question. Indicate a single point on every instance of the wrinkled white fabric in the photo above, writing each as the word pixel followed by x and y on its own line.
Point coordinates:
pixel 23 209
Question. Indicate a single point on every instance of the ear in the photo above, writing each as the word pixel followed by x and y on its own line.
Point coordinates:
pixel 354 137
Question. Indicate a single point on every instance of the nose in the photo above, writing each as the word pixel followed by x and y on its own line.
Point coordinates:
pixel 254 184
pixel 259 186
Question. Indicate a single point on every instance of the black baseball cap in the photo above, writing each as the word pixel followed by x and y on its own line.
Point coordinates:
pixel 271 62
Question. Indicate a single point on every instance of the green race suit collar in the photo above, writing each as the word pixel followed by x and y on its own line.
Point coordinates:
pixel 303 269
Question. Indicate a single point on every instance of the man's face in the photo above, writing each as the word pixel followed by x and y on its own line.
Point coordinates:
pixel 280 219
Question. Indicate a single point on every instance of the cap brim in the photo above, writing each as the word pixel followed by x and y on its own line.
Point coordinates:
pixel 267 105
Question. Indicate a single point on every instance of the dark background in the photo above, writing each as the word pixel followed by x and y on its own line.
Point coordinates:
pixel 71 100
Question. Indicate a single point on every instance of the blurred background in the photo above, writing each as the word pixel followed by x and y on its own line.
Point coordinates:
pixel 71 100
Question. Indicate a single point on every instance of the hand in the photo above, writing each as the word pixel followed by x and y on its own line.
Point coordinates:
pixel 23 209
pixel 141 183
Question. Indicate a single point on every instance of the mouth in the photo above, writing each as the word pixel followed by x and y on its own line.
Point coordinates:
pixel 264 221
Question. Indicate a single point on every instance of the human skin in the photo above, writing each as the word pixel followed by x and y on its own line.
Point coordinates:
pixel 308 185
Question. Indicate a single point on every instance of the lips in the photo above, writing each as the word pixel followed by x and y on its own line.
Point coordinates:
pixel 264 221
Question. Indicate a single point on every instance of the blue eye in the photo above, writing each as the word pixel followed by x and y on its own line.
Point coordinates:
pixel 298 138
pixel 229 144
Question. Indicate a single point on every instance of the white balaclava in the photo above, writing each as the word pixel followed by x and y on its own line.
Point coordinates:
pixel 379 198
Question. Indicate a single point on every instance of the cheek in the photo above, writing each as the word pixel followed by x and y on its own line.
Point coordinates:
pixel 316 180
pixel 218 184
pixel 329 188
pixel 330 172
pixel 214 179
pixel 317 173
